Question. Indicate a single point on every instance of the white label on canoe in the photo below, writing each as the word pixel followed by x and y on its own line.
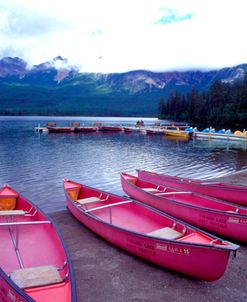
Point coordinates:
pixel 237 220
pixel 173 249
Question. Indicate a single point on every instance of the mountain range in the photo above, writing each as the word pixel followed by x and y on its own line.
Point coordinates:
pixel 57 88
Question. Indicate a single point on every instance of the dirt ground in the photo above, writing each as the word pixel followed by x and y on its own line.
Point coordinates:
pixel 104 272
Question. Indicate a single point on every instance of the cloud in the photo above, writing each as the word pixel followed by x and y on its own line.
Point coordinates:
pixel 157 35
pixel 172 16
pixel 28 22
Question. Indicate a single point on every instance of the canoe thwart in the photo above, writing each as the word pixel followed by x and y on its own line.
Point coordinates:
pixel 210 183
pixel 25 223
pixel 151 190
pixel 12 212
pixel 36 276
pixel 173 193
pixel 108 206
pixel 167 233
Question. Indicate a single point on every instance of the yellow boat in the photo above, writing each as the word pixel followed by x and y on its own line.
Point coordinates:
pixel 175 131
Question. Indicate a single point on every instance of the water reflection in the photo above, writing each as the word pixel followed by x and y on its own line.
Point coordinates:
pixel 36 163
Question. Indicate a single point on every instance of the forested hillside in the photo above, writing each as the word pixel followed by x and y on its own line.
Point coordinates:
pixel 222 104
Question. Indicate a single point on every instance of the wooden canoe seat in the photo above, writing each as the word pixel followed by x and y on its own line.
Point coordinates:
pixel 167 233
pixel 12 212
pixel 36 276
pixel 88 200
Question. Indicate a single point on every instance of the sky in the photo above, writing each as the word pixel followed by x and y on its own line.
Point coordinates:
pixel 122 35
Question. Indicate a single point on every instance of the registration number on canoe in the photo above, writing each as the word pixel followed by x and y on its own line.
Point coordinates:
pixel 237 220
pixel 173 249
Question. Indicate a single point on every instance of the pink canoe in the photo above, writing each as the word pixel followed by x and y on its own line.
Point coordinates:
pixel 148 233
pixel 34 261
pixel 232 193
pixel 211 214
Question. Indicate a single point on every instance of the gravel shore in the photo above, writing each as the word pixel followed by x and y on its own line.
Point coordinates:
pixel 105 273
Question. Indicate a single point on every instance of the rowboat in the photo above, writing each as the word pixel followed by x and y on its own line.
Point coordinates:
pixel 175 131
pixel 148 233
pixel 34 261
pixel 110 128
pixel 232 193
pixel 86 129
pixel 213 215
pixel 59 129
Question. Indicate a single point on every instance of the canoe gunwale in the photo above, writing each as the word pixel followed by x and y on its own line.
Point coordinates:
pixel 195 206
pixel 173 207
pixel 15 286
pixel 239 187
pixel 232 247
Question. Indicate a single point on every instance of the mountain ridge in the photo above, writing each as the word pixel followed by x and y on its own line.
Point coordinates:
pixel 55 87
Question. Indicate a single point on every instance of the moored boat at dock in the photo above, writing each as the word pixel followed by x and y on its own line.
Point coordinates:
pixel 148 233
pixel 85 129
pixel 52 128
pixel 110 128
pixel 177 132
pixel 210 133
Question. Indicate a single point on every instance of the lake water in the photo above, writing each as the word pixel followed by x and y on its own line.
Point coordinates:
pixel 36 163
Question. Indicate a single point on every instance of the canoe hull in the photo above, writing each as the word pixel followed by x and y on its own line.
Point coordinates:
pixel 231 225
pixel 9 292
pixel 179 256
pixel 227 192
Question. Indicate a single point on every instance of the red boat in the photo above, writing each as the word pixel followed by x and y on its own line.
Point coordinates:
pixel 86 129
pixel 58 129
pixel 127 129
pixel 34 261
pixel 53 128
pixel 202 211
pixel 110 128
pixel 148 233
pixel 232 193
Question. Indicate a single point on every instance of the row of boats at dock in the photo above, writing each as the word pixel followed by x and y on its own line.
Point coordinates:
pixel 165 220
pixel 179 131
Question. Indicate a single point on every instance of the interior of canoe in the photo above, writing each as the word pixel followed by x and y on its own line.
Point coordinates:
pixel 186 197
pixel 31 252
pixel 135 217
pixel 195 181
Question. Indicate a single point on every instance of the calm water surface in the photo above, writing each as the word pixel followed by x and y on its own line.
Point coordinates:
pixel 36 163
